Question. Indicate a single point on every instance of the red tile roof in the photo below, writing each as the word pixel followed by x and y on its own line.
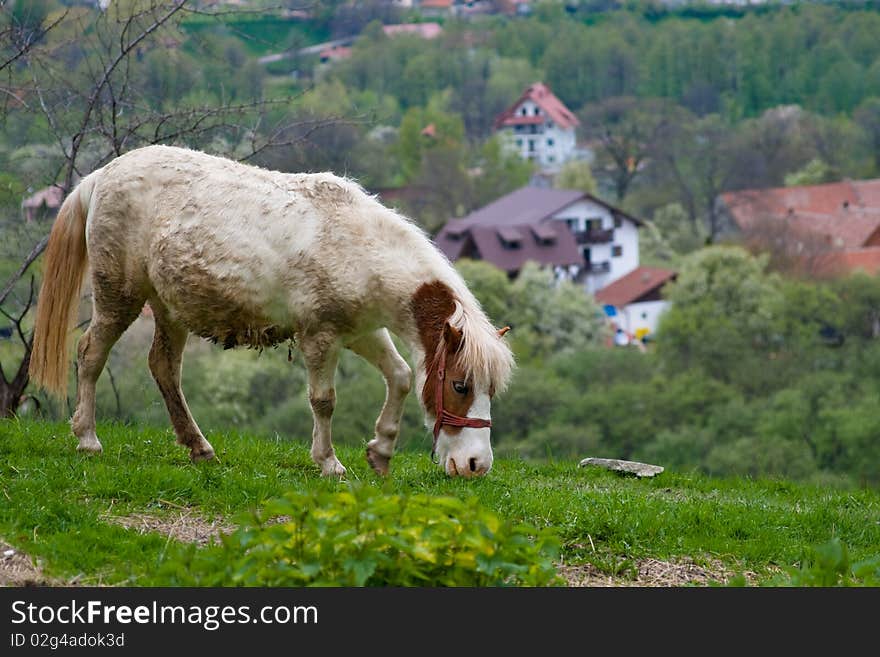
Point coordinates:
pixel 845 214
pixel 635 285
pixel 836 263
pixel 540 94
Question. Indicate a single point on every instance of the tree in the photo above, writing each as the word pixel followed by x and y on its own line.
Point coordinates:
pixel 698 158
pixel 723 316
pixel 93 105
pixel 626 130
pixel 550 316
pixel 498 171
pixel 576 174
pixel 867 115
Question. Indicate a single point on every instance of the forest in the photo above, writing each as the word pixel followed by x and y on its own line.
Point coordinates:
pixel 754 371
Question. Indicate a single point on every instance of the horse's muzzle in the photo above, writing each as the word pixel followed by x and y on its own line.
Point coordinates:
pixel 468 467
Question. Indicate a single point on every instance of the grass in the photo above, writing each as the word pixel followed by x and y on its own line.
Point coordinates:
pixel 53 503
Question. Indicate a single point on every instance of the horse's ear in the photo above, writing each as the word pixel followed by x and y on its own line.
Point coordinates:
pixel 452 336
pixel 502 331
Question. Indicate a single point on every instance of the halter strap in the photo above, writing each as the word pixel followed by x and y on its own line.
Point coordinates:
pixel 444 416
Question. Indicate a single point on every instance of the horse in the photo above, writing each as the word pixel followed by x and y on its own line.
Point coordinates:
pixel 245 256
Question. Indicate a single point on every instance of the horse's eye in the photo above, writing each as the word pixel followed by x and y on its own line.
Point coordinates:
pixel 460 387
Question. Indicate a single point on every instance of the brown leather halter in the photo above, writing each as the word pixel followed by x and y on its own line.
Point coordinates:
pixel 444 416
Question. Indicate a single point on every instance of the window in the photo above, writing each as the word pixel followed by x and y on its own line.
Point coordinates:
pixel 524 111
pixel 531 145
pixel 616 251
pixel 536 111
pixel 519 142
pixel 571 222
pixel 644 315
pixel 549 142
pixel 550 158
pixel 618 222
pixel 594 224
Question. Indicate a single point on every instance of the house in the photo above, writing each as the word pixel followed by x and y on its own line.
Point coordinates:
pixel 539 127
pixel 43 203
pixel 633 303
pixel 423 30
pixel 580 236
pixel 437 8
pixel 334 53
pixel 820 230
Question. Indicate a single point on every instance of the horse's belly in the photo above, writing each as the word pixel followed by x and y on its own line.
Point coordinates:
pixel 221 296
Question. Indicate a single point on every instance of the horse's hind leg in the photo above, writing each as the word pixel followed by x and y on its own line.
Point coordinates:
pixel 166 356
pixel 104 330
pixel 321 353
pixel 378 349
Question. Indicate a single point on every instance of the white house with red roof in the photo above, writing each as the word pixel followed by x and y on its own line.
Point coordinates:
pixel 539 127
pixel 634 302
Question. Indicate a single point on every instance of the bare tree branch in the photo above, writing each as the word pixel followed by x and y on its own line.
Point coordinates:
pixel 28 261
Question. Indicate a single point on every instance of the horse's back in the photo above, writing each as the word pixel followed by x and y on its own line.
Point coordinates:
pixel 233 251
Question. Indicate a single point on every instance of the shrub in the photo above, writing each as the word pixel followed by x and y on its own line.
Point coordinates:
pixel 360 537
pixel 829 565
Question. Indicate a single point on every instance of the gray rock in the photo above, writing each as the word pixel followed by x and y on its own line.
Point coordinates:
pixel 631 467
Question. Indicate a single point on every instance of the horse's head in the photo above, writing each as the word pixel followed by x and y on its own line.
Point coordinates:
pixel 460 406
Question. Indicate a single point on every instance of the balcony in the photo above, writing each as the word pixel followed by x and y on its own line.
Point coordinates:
pixel 598 267
pixel 594 236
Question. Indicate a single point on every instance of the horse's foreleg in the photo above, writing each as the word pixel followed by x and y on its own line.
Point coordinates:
pixel 321 353
pixel 378 349
pixel 92 351
pixel 166 356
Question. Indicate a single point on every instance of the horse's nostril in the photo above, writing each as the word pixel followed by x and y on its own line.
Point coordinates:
pixel 473 464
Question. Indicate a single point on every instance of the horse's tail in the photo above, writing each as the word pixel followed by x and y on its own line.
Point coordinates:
pixel 65 267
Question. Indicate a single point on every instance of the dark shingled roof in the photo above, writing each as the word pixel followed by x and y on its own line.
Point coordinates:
pixel 494 247
pixel 528 210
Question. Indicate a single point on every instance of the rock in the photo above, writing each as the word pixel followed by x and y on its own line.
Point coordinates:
pixel 631 467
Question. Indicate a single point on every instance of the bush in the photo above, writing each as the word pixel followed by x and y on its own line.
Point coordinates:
pixel 361 537
pixel 829 565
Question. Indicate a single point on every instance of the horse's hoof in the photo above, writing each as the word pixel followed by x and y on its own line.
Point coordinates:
pixel 333 468
pixel 378 462
pixel 90 448
pixel 197 456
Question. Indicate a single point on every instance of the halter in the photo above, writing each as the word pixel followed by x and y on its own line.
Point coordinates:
pixel 444 416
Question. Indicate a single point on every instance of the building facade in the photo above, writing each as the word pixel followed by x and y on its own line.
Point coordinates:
pixel 539 127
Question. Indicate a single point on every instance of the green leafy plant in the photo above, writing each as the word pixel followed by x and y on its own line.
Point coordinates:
pixel 360 537
pixel 829 565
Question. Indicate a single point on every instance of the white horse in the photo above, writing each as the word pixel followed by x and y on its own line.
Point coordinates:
pixel 245 256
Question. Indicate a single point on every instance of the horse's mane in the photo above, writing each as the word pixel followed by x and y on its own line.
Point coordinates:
pixel 484 356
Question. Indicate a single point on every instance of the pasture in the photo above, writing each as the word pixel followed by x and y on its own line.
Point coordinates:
pixel 114 519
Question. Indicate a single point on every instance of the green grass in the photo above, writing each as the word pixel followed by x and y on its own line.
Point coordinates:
pixel 52 502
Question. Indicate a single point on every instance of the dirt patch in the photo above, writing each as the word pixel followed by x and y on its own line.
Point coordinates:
pixel 651 573
pixel 18 569
pixel 185 526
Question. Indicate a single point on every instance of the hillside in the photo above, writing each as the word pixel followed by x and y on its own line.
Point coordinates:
pixel 110 520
